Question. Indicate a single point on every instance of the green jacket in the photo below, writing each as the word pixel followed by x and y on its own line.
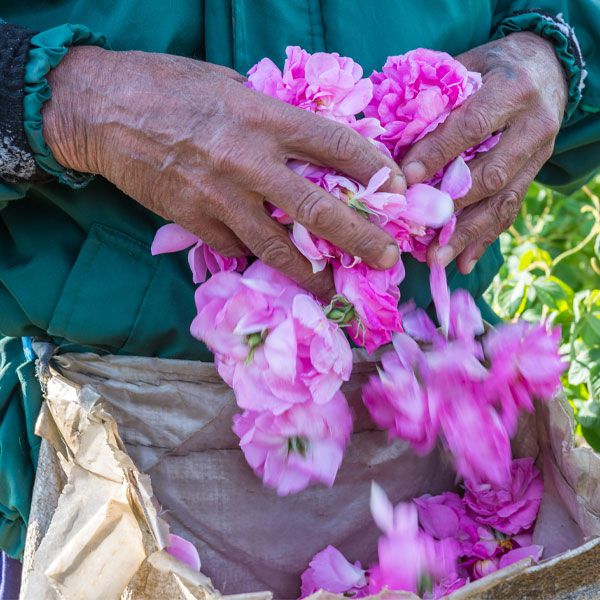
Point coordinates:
pixel 75 263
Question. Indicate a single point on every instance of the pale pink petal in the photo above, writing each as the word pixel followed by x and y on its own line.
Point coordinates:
pixel 440 295
pixel 172 238
pixel 381 508
pixel 534 551
pixel 280 350
pixel 456 181
pixel 427 205
pixel 184 551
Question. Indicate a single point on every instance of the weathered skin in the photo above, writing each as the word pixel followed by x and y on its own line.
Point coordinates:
pixel 524 94
pixel 187 140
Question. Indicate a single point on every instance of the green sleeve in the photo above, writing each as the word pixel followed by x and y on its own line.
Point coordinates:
pixel 573 26
pixel 48 48
pixel 20 402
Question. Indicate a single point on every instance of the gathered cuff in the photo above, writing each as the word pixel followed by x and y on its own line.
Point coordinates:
pixel 556 30
pixel 46 51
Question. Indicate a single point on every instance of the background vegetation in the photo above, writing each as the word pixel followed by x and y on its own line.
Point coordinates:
pixel 552 272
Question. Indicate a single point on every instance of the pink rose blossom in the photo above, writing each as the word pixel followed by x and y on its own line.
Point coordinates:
pixel 526 364
pixel 396 399
pixel 202 258
pixel 325 83
pixel 405 553
pixel 510 508
pixel 415 92
pixel 374 296
pixel 301 446
pixel 329 570
pixel 445 516
pixel 463 417
pixel 272 342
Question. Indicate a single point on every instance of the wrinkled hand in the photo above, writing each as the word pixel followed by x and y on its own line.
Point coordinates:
pixel 523 95
pixel 187 140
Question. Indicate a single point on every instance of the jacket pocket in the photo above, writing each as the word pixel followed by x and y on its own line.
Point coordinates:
pixel 103 294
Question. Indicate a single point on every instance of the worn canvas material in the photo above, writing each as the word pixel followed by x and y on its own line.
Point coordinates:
pixel 133 446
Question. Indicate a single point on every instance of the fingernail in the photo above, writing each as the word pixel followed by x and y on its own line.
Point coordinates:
pixel 414 172
pixel 398 185
pixel 444 255
pixel 470 266
pixel 389 257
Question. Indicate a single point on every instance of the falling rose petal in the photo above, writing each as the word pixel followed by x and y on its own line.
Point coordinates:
pixel 447 231
pixel 172 238
pixel 184 551
pixel 457 180
pixel 440 295
pixel 381 509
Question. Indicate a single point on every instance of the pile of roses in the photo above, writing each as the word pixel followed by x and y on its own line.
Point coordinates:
pixel 286 355
pixel 436 544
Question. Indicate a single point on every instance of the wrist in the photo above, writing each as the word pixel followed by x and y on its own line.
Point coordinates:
pixel 68 115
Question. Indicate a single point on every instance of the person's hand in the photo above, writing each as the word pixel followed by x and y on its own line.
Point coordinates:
pixel 187 140
pixel 523 95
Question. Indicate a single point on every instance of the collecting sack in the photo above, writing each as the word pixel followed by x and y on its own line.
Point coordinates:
pixel 134 447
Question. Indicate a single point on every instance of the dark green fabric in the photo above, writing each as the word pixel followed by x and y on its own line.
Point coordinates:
pixel 20 401
pixel 76 264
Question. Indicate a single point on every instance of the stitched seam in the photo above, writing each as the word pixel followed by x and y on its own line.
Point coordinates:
pixel 75 301
pixel 311 32
pixel 141 307
pixel 323 25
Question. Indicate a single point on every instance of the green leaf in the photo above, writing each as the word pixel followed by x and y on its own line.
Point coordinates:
pixel 589 415
pixel 551 293
pixel 584 362
pixel 592 437
pixel 590 328
pixel 534 256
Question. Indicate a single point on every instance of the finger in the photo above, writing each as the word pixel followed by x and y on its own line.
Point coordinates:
pixel 481 115
pixel 480 224
pixel 323 141
pixel 270 242
pixel 329 218
pixel 215 234
pixel 493 170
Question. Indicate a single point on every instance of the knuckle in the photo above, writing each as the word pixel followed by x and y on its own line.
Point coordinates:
pixel 436 153
pixel 313 210
pixel 494 177
pixel 505 209
pixel 230 249
pixel 475 125
pixel 274 251
pixel 367 246
pixel 340 142
pixel 548 125
pixel 463 236
pixel 223 156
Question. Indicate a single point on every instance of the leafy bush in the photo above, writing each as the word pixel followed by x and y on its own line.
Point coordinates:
pixel 552 272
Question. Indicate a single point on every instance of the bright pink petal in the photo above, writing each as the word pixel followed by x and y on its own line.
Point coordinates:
pixel 184 551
